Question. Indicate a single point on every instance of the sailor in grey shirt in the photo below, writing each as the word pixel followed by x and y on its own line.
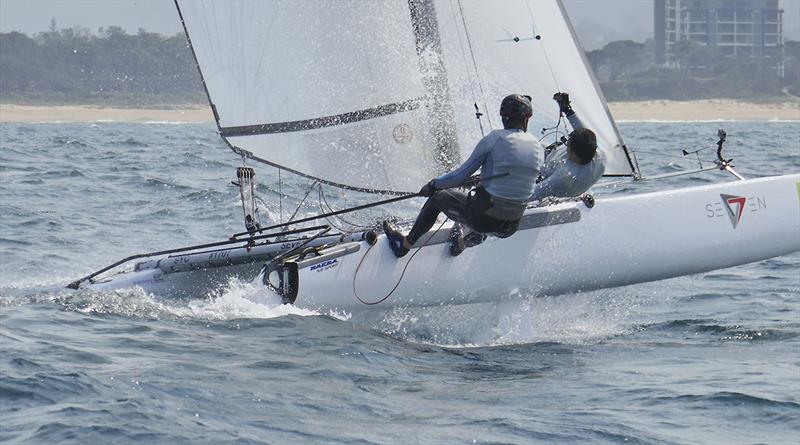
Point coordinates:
pixel 509 160
pixel 510 150
pixel 571 170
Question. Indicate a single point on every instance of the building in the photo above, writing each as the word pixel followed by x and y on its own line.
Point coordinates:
pixel 739 28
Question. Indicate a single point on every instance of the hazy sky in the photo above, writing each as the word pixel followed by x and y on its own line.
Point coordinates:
pixel 596 21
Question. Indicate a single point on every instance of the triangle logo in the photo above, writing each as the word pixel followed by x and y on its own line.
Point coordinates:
pixel 735 207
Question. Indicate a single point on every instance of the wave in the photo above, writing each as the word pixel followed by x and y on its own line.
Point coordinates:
pixel 63 140
pixel 703 121
pixel 728 399
pixel 174 123
pixel 130 142
pixel 579 319
pixel 236 300
pixel 724 333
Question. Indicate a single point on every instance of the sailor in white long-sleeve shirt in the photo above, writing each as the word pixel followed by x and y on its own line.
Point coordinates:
pixel 572 170
pixel 509 160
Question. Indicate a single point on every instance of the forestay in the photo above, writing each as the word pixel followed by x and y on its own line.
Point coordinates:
pixel 381 95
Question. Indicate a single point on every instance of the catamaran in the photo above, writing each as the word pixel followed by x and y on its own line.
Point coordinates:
pixel 381 96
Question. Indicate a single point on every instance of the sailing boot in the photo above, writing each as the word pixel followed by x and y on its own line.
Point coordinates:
pixel 472 239
pixel 457 240
pixel 396 239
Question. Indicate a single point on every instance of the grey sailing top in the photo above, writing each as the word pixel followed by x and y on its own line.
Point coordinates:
pixel 511 151
pixel 563 177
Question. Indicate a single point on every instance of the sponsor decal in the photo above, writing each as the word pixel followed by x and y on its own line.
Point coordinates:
pixel 402 134
pixel 325 265
pixel 735 207
pixel 219 255
pixel 290 245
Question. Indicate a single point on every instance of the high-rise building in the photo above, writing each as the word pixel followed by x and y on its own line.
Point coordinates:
pixel 739 28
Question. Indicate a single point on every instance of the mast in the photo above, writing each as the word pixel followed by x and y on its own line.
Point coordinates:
pixel 434 77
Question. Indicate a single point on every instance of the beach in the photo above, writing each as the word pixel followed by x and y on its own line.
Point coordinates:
pixel 86 113
pixel 657 110
pixel 704 110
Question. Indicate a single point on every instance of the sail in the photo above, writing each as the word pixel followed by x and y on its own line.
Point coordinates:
pixel 331 89
pixel 495 48
pixel 382 94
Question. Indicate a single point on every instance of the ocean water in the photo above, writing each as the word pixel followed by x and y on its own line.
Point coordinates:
pixel 705 359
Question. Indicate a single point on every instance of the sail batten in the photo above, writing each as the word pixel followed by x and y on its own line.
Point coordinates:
pixel 322 122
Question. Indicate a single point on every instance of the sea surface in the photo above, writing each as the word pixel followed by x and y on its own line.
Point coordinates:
pixel 705 359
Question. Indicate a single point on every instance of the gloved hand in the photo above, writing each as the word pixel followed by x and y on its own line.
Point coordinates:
pixel 562 99
pixel 428 189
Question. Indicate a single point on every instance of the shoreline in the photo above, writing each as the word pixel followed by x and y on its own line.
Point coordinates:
pixel 90 113
pixel 704 110
pixel 652 110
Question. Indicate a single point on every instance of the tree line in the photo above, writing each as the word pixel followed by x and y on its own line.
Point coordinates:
pixel 114 67
pixel 72 65
pixel 627 70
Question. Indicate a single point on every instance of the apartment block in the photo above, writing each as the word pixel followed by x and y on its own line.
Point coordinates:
pixel 739 28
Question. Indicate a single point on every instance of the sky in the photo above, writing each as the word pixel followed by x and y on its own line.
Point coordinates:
pixel 597 22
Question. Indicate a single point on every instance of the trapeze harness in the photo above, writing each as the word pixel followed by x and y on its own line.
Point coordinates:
pixel 496 206
pixel 493 215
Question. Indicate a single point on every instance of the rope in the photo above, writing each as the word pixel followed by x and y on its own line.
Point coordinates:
pixel 323 230
pixel 474 62
pixel 402 274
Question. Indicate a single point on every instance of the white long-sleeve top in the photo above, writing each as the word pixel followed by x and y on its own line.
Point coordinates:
pixel 562 177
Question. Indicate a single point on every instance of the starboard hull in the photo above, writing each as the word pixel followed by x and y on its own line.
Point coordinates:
pixel 568 248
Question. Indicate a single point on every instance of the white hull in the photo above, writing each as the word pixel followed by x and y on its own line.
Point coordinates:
pixel 200 273
pixel 620 241
pixel 559 249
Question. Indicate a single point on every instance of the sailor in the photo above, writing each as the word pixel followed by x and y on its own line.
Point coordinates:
pixel 571 171
pixel 509 160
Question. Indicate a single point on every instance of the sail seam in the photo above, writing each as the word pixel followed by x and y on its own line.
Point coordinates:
pixel 324 121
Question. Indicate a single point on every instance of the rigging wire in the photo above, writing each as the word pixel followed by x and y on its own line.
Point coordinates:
pixel 313 183
pixel 323 198
pixel 462 51
pixel 328 219
pixel 474 62
pixel 544 50
pixel 557 130
pixel 402 274
pixel 667 155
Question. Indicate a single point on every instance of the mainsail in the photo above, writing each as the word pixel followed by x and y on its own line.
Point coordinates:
pixel 381 95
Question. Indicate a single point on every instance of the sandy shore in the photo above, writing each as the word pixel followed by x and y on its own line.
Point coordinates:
pixel 83 113
pixel 646 110
pixel 725 109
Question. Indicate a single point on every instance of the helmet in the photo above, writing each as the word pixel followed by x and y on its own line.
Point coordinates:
pixel 516 107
